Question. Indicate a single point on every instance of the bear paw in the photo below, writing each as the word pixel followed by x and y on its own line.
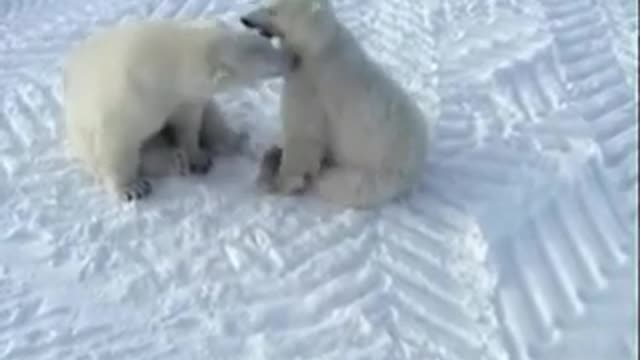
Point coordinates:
pixel 269 168
pixel 137 190
pixel 200 163
pixel 270 181
pixel 294 185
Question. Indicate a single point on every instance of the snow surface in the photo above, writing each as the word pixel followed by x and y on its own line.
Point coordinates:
pixel 520 244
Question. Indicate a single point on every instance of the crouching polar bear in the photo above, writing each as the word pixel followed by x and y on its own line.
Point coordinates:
pixel 351 134
pixel 125 86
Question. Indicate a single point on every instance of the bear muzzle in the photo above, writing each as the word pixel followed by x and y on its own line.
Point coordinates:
pixel 259 20
pixel 251 25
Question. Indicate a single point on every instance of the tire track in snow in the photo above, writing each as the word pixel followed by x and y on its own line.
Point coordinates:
pixel 598 89
pixel 425 295
pixel 39 324
pixel 577 251
pixel 10 10
pixel 512 84
pixel 545 316
pixel 324 304
pixel 572 266
pixel 475 163
pixel 623 18
pixel 41 38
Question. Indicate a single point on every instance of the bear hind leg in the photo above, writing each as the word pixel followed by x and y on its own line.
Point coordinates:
pixel 160 157
pixel 187 122
pixel 120 171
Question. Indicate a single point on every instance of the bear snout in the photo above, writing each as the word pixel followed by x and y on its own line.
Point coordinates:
pixel 250 24
pixel 266 34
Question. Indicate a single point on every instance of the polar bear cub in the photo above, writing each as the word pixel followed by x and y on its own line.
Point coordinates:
pixel 125 84
pixel 348 127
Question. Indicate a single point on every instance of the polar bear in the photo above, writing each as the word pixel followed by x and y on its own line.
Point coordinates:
pixel 348 127
pixel 123 85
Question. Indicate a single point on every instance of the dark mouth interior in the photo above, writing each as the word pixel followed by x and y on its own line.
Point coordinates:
pixel 266 34
pixel 251 25
pixel 248 23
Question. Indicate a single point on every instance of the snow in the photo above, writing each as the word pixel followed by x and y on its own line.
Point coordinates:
pixel 520 244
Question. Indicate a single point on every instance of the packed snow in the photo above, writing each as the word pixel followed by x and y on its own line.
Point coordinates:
pixel 520 244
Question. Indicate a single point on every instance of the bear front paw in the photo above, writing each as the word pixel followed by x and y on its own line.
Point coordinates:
pixel 137 190
pixel 200 164
pixel 294 185
pixel 269 177
pixel 269 168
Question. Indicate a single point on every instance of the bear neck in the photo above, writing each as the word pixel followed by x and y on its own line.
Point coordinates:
pixel 335 31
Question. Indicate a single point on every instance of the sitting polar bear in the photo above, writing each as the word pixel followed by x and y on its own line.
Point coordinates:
pixel 124 85
pixel 350 132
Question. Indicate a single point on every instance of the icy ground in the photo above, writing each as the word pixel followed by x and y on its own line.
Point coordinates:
pixel 519 245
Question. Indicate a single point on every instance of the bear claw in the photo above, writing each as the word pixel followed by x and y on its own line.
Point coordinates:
pixel 201 168
pixel 137 190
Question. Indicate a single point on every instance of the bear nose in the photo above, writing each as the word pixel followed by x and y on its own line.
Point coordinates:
pixel 248 23
pixel 252 25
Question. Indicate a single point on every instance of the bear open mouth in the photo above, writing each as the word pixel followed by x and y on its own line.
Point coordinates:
pixel 262 30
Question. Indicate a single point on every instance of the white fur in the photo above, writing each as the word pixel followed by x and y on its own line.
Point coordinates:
pixel 124 84
pixel 341 105
pixel 305 137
